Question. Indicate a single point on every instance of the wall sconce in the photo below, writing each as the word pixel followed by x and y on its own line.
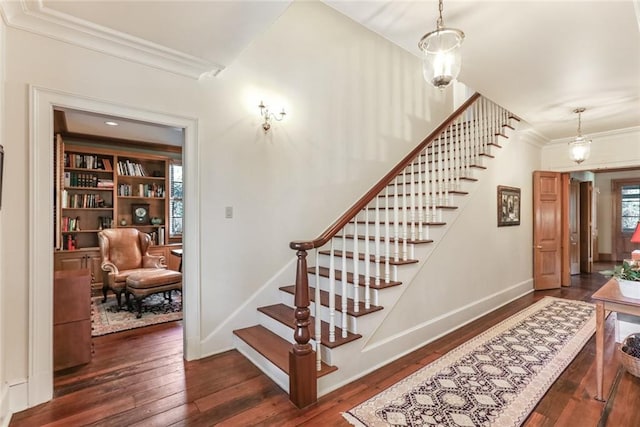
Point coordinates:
pixel 267 116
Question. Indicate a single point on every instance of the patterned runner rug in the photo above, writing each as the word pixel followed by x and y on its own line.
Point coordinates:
pixel 494 379
pixel 106 318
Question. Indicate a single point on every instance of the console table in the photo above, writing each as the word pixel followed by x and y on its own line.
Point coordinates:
pixel 610 298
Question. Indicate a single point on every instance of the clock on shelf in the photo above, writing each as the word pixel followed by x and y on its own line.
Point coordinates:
pixel 140 213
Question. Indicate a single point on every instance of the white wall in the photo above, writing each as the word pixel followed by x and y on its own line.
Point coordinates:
pixel 4 399
pixel 478 265
pixel 355 104
pixel 605 206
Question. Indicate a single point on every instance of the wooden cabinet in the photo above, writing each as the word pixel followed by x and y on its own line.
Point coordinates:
pixel 97 188
pixel 80 259
pixel 171 261
pixel 71 318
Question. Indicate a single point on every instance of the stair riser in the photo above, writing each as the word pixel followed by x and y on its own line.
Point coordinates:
pixel 361 249
pixel 419 214
pixel 281 329
pixel 352 322
pixel 271 370
pixel 410 234
pixel 325 284
pixel 452 169
pixel 432 200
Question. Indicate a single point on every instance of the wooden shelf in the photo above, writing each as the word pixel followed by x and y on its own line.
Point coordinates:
pixel 154 182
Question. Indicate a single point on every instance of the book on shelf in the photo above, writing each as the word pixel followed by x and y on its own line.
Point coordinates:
pixel 129 168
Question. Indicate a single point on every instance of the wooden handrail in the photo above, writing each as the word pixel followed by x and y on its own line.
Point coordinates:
pixel 339 224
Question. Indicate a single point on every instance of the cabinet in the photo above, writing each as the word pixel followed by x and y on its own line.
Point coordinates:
pixel 80 259
pixel 71 318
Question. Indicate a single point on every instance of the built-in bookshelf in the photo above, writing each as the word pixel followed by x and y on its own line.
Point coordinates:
pixel 98 188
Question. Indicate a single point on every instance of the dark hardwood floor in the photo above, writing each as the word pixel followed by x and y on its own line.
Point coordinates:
pixel 138 378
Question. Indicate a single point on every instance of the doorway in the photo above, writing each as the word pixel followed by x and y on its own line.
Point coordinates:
pixel 40 351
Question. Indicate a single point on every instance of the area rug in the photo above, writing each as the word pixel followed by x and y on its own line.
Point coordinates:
pixel 107 318
pixel 494 379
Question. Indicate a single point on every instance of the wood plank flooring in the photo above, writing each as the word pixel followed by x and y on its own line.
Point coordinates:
pixel 138 378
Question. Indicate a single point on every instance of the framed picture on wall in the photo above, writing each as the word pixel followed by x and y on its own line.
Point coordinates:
pixel 508 206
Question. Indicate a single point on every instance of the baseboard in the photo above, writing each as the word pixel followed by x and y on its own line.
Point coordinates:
pixel 604 257
pixel 5 414
pixel 18 394
pixel 384 352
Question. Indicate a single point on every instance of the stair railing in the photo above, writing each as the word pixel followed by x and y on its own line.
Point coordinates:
pixel 415 192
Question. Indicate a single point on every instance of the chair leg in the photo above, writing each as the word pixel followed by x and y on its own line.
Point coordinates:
pixel 128 300
pixel 104 293
pixel 139 302
pixel 119 299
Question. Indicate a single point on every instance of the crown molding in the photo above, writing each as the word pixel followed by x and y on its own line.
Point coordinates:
pixel 632 131
pixel 34 17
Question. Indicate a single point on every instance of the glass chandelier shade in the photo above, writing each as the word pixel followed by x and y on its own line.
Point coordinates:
pixel 580 147
pixel 441 59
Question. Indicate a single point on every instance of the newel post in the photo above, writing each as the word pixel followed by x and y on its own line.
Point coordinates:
pixel 303 387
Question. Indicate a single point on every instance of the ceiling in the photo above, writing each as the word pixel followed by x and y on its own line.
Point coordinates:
pixel 540 59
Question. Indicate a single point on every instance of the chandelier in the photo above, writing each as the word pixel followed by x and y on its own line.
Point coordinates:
pixel 580 147
pixel 441 53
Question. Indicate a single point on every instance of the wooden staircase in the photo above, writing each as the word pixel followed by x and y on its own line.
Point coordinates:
pixel 362 260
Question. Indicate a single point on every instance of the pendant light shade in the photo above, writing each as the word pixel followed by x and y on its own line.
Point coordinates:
pixel 441 60
pixel 580 147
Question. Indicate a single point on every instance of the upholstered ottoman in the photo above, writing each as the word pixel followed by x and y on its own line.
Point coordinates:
pixel 143 284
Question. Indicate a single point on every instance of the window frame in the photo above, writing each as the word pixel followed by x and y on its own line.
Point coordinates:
pixel 172 199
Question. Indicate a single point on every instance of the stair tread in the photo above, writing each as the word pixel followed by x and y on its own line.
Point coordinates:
pixel 285 315
pixel 372 258
pixel 382 239
pixel 324 272
pixel 324 300
pixel 273 347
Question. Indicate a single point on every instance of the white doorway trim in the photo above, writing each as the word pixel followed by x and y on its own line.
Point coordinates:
pixel 42 102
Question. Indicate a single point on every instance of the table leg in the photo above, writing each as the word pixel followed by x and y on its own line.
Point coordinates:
pixel 599 349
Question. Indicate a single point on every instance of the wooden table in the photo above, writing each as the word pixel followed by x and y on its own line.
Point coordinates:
pixel 610 298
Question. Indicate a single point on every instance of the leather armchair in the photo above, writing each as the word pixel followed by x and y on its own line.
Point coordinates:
pixel 124 252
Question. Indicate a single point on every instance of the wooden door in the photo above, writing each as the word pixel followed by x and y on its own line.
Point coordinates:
pixel 574 227
pixel 547 230
pixel 586 255
pixel 623 229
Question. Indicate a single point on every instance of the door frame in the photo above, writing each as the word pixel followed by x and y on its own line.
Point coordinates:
pixel 616 184
pixel 41 105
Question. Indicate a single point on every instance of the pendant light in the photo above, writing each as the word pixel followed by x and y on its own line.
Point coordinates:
pixel 441 53
pixel 580 147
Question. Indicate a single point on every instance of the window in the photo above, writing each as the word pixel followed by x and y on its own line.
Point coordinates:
pixel 176 206
pixel 630 208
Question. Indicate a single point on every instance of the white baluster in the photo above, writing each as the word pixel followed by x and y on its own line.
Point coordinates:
pixel 396 220
pixel 344 292
pixel 420 204
pixel 356 267
pixel 332 294
pixel 317 315
pixel 404 216
pixel 412 199
pixel 376 230
pixel 387 237
pixel 367 257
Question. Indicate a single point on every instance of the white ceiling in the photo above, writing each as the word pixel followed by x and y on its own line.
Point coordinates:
pixel 540 59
